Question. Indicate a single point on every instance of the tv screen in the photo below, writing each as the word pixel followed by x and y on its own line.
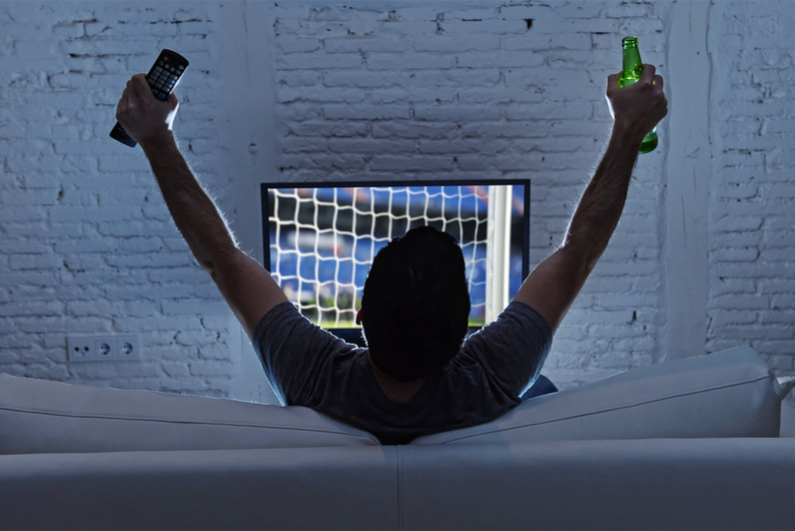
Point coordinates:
pixel 320 239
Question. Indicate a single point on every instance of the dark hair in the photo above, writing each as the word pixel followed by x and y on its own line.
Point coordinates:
pixel 415 306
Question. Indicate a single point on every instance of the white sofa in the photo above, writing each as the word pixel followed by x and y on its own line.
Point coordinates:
pixel 688 444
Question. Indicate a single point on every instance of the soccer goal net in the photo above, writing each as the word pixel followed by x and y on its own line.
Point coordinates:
pixel 323 241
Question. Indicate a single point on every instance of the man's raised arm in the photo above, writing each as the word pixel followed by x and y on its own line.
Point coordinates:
pixel 554 284
pixel 247 287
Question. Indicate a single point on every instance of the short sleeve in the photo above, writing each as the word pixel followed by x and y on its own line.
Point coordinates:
pixel 512 349
pixel 293 353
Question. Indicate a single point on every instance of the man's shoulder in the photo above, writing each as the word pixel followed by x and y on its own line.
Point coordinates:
pixel 278 315
pixel 518 331
pixel 523 314
pixel 300 358
pixel 517 315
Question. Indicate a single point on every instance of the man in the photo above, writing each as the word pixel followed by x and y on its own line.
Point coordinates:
pixel 427 381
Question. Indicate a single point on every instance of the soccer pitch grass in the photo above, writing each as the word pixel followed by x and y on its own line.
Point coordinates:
pixel 352 324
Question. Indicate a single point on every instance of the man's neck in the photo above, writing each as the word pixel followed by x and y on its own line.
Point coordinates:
pixel 394 390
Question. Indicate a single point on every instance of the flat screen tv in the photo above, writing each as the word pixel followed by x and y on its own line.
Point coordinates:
pixel 320 239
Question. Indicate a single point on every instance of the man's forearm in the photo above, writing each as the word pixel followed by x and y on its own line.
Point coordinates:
pixel 194 212
pixel 603 201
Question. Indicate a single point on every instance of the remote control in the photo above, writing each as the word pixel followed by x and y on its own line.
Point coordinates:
pixel 162 77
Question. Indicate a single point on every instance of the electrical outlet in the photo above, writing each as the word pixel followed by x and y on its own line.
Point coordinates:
pixel 104 348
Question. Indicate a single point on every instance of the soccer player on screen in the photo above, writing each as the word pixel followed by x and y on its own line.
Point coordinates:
pixel 418 375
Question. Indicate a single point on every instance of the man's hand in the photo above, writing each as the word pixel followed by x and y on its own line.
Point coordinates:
pixel 142 115
pixel 637 108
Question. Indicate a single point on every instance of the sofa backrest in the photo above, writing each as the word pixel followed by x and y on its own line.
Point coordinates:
pixel 727 394
pixel 732 393
pixel 39 416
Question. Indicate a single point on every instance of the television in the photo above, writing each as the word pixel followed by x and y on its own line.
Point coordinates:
pixel 319 239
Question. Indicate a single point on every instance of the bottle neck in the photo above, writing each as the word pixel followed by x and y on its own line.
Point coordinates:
pixel 633 66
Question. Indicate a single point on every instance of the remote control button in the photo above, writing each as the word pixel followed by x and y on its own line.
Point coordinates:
pixel 155 92
pixel 158 69
pixel 160 63
pixel 162 96
pixel 181 67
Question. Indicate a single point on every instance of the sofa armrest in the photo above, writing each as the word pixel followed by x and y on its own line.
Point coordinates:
pixel 787 419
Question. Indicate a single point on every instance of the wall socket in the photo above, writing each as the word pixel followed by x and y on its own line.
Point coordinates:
pixel 104 348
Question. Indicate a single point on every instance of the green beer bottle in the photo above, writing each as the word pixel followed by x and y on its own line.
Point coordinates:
pixel 633 69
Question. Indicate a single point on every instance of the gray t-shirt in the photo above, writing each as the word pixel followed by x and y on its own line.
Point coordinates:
pixel 308 366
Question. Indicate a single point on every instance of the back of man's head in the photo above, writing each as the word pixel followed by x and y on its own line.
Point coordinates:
pixel 415 306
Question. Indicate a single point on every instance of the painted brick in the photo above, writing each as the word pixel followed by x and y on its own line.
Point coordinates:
pixel 472 14
pixel 446 43
pixel 485 26
pixel 501 59
pixel 409 28
pixel 754 331
pixel 394 61
pixel 424 163
pixel 736 254
pixel 305 61
pixel 413 130
pixel 782 191
pixel 345 145
pixel 210 368
pixel 447 114
pixel 323 129
pixel 399 95
pixel 360 112
pixel 731 223
pixel 190 307
pixel 365 79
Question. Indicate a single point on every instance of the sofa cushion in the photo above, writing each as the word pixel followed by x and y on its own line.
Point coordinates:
pixel 39 416
pixel 732 393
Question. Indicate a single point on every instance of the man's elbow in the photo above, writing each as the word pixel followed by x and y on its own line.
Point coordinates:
pixel 213 262
pixel 584 248
pixel 577 260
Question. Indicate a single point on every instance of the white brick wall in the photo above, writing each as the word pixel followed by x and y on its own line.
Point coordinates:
pixel 88 245
pixel 378 89
pixel 752 199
